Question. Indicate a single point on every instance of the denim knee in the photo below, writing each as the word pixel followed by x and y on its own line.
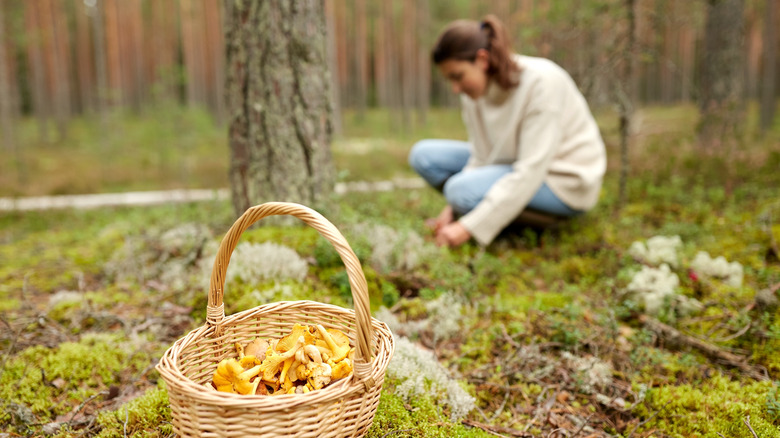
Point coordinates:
pixel 418 156
pixel 460 195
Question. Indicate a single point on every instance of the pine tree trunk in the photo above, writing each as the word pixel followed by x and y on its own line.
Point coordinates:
pixel 60 53
pixel 626 98
pixel 37 69
pixel 278 98
pixel 335 93
pixel 101 67
pixel 768 98
pixel 722 77
pixel 84 72
pixel 6 100
pixel 361 52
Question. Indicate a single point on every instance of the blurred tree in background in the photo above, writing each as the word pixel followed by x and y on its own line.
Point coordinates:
pixel 722 78
pixel 68 58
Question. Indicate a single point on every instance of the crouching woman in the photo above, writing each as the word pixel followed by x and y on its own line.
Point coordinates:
pixel 534 150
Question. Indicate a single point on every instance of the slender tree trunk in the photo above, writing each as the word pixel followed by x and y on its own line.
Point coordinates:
pixel 135 17
pixel 59 57
pixel 6 99
pixel 37 69
pixel 361 52
pixel 722 80
pixel 380 62
pixel 768 98
pixel 335 94
pixel 278 90
pixel 101 69
pixel 407 63
pixel 84 72
pixel 113 43
pixel 216 61
pixel 626 98
pixel 393 73
pixel 163 50
pixel 188 50
pixel 423 89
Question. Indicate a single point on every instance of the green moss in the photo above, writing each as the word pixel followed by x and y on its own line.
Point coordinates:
pixel 85 368
pixel 299 237
pixel 540 301
pixel 9 304
pixel 146 416
pixel 419 418
pixel 715 406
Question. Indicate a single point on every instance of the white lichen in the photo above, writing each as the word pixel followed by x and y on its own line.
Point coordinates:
pixel 168 257
pixel 443 319
pixel 653 286
pixel 422 375
pixel 257 262
pixel 719 267
pixel 658 250
pixel 391 249
pixel 592 373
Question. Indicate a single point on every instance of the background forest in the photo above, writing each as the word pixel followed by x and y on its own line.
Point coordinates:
pixel 654 315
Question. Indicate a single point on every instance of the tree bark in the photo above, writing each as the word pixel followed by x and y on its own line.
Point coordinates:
pixel 6 100
pixel 768 98
pixel 721 103
pixel 278 98
pixel 626 98
pixel 84 73
pixel 361 52
pixel 60 53
pixel 335 93
pixel 101 68
pixel 37 69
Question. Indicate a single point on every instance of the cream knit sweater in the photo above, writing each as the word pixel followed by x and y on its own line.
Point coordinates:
pixel 545 130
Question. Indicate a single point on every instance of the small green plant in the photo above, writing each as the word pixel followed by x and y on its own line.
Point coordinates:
pixel 773 405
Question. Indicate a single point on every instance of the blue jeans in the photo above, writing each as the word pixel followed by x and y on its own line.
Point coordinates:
pixel 440 162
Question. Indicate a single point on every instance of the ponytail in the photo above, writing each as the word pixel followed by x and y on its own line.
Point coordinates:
pixel 501 66
pixel 463 38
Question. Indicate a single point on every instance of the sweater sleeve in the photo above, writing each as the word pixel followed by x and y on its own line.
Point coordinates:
pixel 538 139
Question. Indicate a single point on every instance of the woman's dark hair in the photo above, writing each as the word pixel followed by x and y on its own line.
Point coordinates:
pixel 461 40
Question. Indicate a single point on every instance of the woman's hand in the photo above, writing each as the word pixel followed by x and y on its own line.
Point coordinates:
pixel 453 234
pixel 445 218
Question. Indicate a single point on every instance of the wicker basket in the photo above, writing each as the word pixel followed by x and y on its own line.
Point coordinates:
pixel 344 408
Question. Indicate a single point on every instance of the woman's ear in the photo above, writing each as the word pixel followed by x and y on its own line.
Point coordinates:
pixel 483 59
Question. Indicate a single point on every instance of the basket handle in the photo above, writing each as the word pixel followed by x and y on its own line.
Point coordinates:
pixel 357 280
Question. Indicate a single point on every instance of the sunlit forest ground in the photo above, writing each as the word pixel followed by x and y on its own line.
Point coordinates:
pixel 543 333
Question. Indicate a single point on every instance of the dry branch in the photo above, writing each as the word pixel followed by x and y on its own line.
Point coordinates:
pixel 497 429
pixel 713 352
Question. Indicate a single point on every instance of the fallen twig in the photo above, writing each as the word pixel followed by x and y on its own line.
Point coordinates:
pixel 648 419
pixel 84 403
pixel 741 332
pixel 747 423
pixel 496 430
pixel 500 408
pixel 712 351
pixel 582 426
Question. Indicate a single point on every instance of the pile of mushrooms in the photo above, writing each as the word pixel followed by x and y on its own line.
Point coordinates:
pixel 307 359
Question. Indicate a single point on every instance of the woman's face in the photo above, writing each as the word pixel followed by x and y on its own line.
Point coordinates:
pixel 466 76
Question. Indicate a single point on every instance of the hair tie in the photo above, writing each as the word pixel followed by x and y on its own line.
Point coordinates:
pixel 483 25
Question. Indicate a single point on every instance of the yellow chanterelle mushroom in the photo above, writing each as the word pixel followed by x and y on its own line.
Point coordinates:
pixel 274 361
pixel 337 342
pixel 230 376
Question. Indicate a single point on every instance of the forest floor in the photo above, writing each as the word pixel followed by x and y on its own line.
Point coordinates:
pixel 615 324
